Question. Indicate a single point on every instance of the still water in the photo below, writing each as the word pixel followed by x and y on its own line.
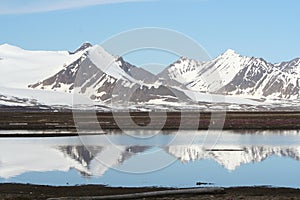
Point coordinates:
pixel 175 159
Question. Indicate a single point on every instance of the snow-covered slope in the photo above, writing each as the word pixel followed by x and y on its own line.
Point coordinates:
pixel 19 67
pixel 38 96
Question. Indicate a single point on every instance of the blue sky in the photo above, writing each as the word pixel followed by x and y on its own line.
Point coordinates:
pixel 268 28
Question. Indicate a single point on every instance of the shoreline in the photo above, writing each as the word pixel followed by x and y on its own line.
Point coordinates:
pixel 43 120
pixel 29 191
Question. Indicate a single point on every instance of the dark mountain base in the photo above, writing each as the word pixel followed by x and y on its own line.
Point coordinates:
pixel 34 120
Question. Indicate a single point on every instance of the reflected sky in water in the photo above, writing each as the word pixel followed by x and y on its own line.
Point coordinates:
pixel 176 160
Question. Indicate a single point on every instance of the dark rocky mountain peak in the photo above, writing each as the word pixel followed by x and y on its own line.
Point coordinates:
pixel 83 47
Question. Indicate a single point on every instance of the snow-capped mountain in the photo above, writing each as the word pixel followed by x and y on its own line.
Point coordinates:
pixel 234 74
pixel 101 76
pixel 230 79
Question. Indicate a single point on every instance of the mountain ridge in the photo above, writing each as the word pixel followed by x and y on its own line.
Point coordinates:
pixel 94 72
pixel 234 74
pixel 102 76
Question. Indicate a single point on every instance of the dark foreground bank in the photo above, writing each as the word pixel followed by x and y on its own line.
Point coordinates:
pixel 38 120
pixel 27 191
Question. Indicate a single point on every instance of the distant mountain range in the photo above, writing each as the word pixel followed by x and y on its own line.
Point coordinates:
pixel 93 72
pixel 231 73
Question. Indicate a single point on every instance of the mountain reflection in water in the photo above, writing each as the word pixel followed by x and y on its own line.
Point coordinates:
pixel 94 155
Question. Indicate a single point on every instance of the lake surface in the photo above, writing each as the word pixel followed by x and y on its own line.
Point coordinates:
pixel 145 158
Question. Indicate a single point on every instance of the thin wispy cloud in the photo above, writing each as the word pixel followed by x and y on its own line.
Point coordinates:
pixel 34 6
